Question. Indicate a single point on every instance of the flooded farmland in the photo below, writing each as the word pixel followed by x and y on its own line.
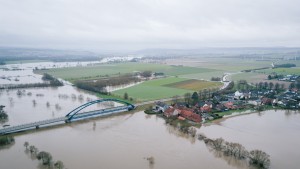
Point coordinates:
pixel 126 140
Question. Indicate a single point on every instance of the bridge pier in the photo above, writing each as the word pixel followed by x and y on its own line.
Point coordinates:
pixel 37 127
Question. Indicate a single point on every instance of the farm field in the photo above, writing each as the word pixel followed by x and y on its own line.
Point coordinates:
pixel 89 72
pixel 195 85
pixel 254 78
pixel 164 88
pixel 250 77
pixel 282 71
pixel 222 64
pixel 203 76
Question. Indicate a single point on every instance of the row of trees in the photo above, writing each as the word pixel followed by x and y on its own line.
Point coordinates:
pixel 146 73
pixel 44 157
pixel 255 157
pixel 276 86
pixel 196 96
pixel 53 81
pixel 17 86
pixel 270 86
pixel 100 84
pixel 286 65
pixel 215 79
pixel 295 85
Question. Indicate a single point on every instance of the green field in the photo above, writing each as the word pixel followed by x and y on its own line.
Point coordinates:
pixel 160 88
pixel 204 75
pixel 282 71
pixel 195 85
pixel 247 76
pixel 89 72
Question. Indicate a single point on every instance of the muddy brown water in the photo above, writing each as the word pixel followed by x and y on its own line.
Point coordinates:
pixel 125 141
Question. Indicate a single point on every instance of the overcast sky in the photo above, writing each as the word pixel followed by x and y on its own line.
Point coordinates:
pixel 138 24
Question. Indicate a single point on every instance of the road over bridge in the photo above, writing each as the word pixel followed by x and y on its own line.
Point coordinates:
pixel 74 115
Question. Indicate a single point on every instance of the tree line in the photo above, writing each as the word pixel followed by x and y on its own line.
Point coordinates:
pixel 100 84
pixel 43 156
pixel 256 158
pixel 286 65
pixel 52 82
pixel 6 140
pixel 193 98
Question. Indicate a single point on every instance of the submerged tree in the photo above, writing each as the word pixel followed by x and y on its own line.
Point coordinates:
pixel 45 157
pixel 6 140
pixel 59 164
pixel 259 158
pixel 26 144
pixel 3 115
pixel 33 149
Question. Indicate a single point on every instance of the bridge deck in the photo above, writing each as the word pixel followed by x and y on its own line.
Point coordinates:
pixel 59 120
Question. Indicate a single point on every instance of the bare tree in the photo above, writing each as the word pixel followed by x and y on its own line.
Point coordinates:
pixel 26 144
pixel 48 104
pixel 33 149
pixel 59 164
pixel 187 97
pixel 45 157
pixel 34 102
pixel 175 98
pixel 217 143
pixel 259 158
pixel 80 97
pixel 57 107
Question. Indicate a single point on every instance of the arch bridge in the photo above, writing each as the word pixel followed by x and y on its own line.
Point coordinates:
pixel 73 115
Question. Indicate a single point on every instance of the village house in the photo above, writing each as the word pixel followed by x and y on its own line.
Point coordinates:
pixel 242 95
pixel 171 112
pixel 266 101
pixel 188 114
pixel 230 106
pixel 161 107
pixel 206 108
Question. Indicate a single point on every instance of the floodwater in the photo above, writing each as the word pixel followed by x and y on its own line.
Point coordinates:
pixel 126 140
pixel 22 73
pixel 275 132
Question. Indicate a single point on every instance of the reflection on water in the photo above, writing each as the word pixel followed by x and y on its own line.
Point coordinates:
pixel 274 132
pixel 230 160
pixel 173 130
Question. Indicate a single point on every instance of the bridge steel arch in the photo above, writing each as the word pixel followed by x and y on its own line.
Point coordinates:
pixel 72 113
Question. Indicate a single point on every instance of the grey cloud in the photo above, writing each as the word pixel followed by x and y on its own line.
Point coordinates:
pixel 135 24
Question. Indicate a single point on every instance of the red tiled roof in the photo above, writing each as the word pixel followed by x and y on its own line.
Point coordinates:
pixel 190 115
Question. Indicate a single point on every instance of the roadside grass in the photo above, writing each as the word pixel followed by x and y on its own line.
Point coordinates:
pixel 194 85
